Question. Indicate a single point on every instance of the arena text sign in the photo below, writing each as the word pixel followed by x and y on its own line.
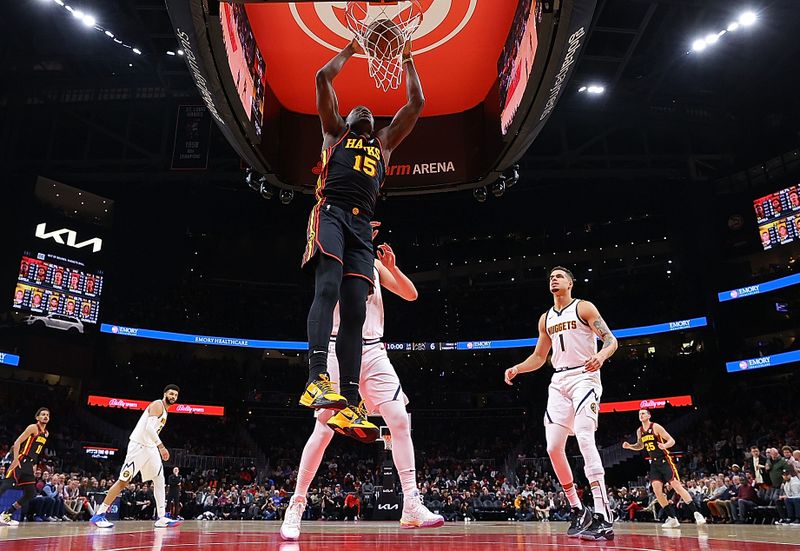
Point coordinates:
pixel 139 405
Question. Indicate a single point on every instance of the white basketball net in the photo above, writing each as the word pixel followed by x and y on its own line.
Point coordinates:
pixel 386 65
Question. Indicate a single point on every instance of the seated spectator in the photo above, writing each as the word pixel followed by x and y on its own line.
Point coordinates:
pixel 790 498
pixel 743 501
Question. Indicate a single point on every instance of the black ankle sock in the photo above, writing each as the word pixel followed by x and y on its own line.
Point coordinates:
pixel 317 364
pixel 671 511
pixel 350 391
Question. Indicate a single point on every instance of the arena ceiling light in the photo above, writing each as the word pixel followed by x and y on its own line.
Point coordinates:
pixel 90 22
pixel 593 89
pixel 746 19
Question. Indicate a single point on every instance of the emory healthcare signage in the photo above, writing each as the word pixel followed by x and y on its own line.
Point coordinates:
pixel 765 287
pixel 765 361
pixel 125 403
pixel 7 358
pixel 649 403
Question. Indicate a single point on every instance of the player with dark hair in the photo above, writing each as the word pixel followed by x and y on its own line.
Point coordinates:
pixel 27 449
pixel 339 243
pixel 571 328
pixel 145 453
pixel 656 441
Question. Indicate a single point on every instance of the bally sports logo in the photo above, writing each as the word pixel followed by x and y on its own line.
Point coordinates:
pixel 326 24
pixel 124 404
pixel 652 404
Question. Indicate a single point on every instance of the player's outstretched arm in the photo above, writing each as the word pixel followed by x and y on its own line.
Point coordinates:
pixel 392 277
pixel 535 360
pixel 639 445
pixel 404 120
pixel 589 313
pixel 327 103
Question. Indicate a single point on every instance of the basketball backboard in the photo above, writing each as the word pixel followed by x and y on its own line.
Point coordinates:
pixel 491 72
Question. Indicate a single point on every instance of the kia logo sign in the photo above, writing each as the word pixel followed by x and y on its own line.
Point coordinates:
pixel 71 237
pixel 388 507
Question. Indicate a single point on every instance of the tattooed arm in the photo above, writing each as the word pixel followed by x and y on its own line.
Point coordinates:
pixel 588 312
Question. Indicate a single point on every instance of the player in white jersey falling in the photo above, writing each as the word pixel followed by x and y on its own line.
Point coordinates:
pixel 145 452
pixel 382 392
pixel 570 329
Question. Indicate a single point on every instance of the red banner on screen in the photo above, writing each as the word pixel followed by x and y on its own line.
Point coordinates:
pixel 125 403
pixel 649 403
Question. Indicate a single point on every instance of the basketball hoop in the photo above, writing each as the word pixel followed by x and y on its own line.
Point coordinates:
pixel 387 442
pixel 382 30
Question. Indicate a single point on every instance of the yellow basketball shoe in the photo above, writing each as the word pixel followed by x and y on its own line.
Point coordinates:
pixel 319 394
pixel 353 422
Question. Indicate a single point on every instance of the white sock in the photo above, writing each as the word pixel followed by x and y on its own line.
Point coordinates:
pixel 102 509
pixel 600 497
pixel 396 417
pixel 572 495
pixel 312 454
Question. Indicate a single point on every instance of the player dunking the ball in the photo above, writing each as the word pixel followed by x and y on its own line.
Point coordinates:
pixel 27 449
pixel 570 328
pixel 382 393
pixel 656 441
pixel 339 247
pixel 145 452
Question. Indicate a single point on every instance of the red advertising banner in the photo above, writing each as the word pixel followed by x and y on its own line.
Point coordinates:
pixel 125 403
pixel 649 403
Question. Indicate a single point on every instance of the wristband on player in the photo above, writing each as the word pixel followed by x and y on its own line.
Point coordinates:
pixel 407 57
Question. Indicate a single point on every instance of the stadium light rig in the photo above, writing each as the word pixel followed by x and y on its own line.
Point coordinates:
pixel 746 19
pixel 592 89
pixel 90 22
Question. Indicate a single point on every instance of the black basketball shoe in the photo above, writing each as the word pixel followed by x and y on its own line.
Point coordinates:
pixel 599 529
pixel 579 520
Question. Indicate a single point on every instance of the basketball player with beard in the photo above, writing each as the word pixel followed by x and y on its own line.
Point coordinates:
pixel 570 328
pixel 339 244
pixel 382 393
pixel 145 453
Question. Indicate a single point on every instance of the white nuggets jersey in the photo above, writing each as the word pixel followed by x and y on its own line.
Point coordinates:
pixel 573 341
pixel 140 435
pixel 373 324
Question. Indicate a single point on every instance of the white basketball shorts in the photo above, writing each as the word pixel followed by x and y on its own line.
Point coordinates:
pixel 378 383
pixel 142 459
pixel 572 393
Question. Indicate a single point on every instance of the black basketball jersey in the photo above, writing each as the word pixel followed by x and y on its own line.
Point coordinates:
pixel 352 173
pixel 651 440
pixel 33 447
